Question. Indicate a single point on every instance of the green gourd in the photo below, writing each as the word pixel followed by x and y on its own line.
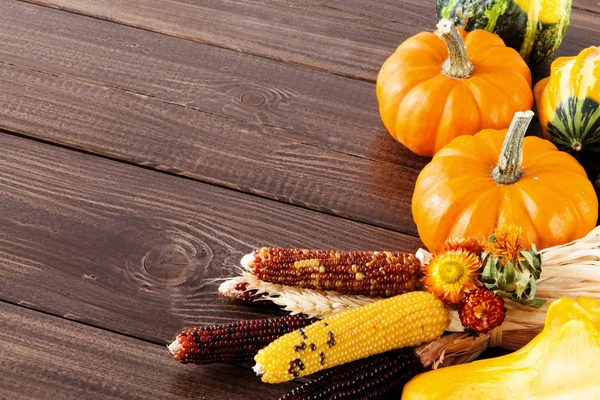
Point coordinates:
pixel 535 28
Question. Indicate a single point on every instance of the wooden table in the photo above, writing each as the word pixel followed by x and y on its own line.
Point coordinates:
pixel 148 144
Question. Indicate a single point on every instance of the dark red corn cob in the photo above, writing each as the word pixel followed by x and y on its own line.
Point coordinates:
pixel 247 296
pixel 238 290
pixel 368 273
pixel 376 377
pixel 231 343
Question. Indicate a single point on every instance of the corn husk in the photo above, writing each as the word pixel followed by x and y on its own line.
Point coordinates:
pixel 314 303
pixel 452 349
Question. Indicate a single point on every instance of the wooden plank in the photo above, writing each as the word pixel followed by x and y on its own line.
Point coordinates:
pixel 53 358
pixel 589 5
pixel 420 13
pixel 582 33
pixel 357 189
pixel 312 107
pixel 238 155
pixel 297 32
pixel 134 250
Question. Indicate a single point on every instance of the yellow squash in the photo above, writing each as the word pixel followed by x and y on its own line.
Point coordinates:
pixel 562 362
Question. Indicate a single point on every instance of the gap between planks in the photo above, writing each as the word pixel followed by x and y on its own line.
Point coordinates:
pixel 194 178
pixel 200 110
pixel 305 176
pixel 73 319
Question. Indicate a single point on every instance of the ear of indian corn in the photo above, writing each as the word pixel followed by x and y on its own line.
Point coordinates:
pixel 406 320
pixel 382 375
pixel 369 273
pixel 233 342
pixel 239 290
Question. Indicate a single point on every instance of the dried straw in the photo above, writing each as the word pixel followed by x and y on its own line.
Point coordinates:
pixel 452 349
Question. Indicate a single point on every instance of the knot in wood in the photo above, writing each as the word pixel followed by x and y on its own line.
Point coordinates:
pixel 253 99
pixel 166 262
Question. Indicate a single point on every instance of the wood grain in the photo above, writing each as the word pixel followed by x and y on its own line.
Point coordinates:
pixel 45 357
pixel 316 108
pixel 136 251
pixel 589 5
pixel 293 31
pixel 311 107
pixel 242 156
pixel 419 13
pixel 583 31
pixel 296 32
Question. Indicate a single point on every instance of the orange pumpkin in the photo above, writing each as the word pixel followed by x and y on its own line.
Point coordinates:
pixel 433 89
pixel 479 182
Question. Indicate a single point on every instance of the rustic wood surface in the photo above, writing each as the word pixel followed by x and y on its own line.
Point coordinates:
pixel 305 33
pixel 308 106
pixel 53 358
pixel 148 144
pixel 205 147
pixel 135 251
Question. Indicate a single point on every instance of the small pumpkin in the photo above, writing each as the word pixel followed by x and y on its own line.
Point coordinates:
pixel 498 177
pixel 435 88
pixel 533 27
pixel 559 363
pixel 568 102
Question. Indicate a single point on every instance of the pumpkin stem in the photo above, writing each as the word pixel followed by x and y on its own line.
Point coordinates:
pixel 508 170
pixel 457 65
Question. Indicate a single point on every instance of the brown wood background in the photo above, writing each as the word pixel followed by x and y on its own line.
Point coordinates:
pixel 148 144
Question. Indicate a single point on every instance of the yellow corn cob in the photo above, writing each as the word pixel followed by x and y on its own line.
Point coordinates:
pixel 410 319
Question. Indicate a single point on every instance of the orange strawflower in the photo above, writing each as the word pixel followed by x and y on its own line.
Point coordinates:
pixel 472 245
pixel 451 274
pixel 507 244
pixel 482 311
